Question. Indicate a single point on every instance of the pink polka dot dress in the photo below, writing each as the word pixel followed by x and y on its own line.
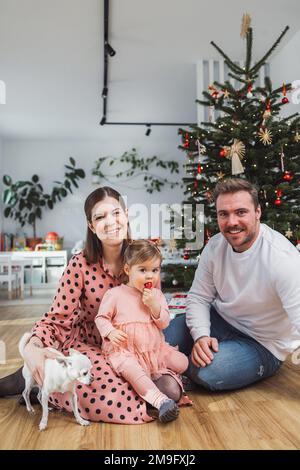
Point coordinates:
pixel 70 323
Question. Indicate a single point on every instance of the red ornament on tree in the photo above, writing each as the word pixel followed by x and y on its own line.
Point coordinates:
pixel 222 153
pixel 278 201
pixel 186 141
pixel 287 176
pixel 285 99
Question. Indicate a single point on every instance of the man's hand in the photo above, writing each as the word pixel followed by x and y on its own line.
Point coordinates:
pixel 201 353
pixel 117 337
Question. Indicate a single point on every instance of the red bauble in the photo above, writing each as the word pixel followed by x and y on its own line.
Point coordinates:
pixel 222 153
pixel 186 256
pixel 285 100
pixel 278 201
pixel 287 176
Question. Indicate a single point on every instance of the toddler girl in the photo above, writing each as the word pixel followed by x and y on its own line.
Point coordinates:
pixel 130 320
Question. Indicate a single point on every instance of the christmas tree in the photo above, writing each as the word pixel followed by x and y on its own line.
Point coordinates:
pixel 249 139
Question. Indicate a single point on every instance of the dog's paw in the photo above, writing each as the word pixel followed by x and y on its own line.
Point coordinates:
pixel 42 425
pixel 83 422
pixel 31 411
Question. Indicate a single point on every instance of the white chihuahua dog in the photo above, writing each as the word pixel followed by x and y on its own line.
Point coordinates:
pixel 60 375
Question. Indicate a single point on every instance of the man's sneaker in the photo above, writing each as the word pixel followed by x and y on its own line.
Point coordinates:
pixel 168 411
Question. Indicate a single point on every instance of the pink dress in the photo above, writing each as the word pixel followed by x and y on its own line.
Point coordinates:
pixel 122 308
pixel 70 323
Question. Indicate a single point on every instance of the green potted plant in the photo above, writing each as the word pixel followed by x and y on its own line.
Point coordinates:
pixel 25 200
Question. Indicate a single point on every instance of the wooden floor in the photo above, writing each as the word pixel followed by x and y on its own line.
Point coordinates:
pixel 263 416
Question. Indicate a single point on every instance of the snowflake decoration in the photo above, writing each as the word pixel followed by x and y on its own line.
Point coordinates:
pixel 265 136
pixel 289 233
pixel 297 137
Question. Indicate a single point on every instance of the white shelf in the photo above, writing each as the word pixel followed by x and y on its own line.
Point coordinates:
pixel 45 267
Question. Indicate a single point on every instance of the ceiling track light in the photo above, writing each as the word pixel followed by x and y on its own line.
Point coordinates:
pixel 103 121
pixel 148 131
pixel 104 92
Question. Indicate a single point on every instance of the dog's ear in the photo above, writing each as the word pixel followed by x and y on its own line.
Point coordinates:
pixel 63 360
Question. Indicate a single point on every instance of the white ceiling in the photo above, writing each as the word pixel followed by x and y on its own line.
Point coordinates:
pixel 51 58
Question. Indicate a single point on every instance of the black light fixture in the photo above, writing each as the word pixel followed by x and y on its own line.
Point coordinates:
pixel 104 92
pixel 148 131
pixel 109 50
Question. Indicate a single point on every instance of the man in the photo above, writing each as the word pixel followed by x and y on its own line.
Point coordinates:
pixel 243 309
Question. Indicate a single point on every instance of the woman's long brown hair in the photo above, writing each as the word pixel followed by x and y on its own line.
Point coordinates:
pixel 93 250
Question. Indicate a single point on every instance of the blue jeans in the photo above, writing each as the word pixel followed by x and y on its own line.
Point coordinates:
pixel 240 361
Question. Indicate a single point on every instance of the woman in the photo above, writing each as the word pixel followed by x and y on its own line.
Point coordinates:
pixel 70 322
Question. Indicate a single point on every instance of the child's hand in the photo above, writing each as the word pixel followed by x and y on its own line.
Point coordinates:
pixel 117 337
pixel 150 300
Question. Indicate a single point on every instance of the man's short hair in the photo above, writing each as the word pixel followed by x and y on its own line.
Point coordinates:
pixel 233 185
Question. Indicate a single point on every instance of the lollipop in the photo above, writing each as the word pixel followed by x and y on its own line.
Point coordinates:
pixel 148 285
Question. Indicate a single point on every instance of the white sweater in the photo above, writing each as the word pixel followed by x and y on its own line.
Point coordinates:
pixel 257 291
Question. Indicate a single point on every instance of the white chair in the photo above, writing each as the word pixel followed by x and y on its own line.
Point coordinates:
pixel 13 278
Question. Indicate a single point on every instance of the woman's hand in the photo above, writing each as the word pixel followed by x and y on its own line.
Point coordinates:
pixel 35 356
pixel 117 337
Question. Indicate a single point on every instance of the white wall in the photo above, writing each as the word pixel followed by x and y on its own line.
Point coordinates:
pixel 285 68
pixel 1 163
pixel 46 158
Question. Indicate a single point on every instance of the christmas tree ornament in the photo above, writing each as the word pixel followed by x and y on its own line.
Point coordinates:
pixel 195 184
pixel 249 91
pixel 267 112
pixel 199 170
pixel 186 140
pixel 226 94
pixel 285 99
pixel 213 91
pixel 265 136
pixel 220 175
pixel 289 233
pixel 278 201
pixel 174 282
pixel 236 154
pixel 282 159
pixel 186 254
pixel 287 176
pixel 246 22
pixel 172 245
pixel 297 137
pixel 201 148
pixel 222 153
